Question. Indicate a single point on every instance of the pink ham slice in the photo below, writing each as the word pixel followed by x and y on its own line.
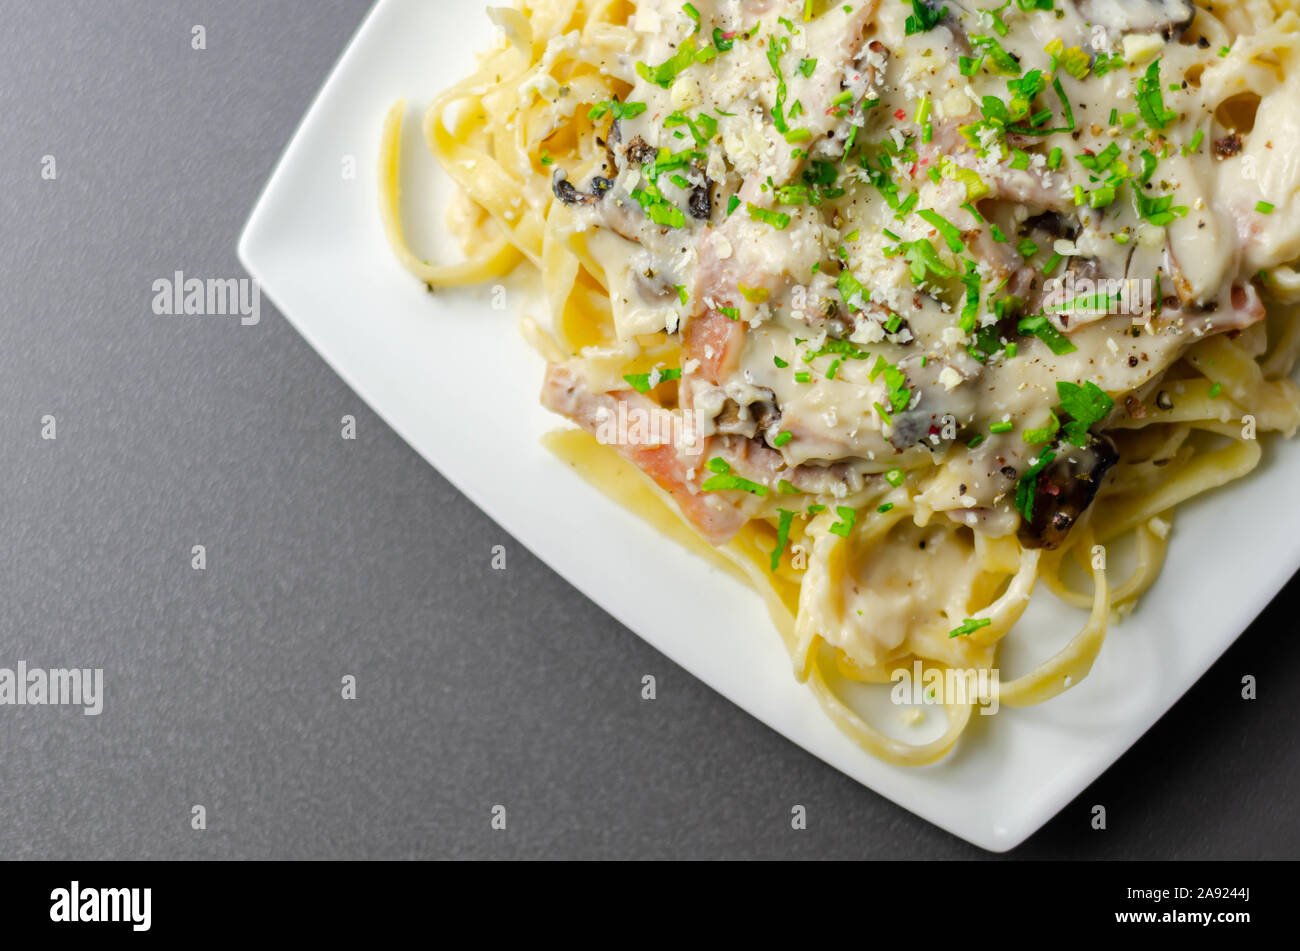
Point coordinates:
pixel 717 342
pixel 718 516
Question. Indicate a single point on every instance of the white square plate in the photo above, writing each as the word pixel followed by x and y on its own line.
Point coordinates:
pixel 455 380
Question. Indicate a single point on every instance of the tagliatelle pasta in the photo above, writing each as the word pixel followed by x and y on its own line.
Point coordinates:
pixel 896 308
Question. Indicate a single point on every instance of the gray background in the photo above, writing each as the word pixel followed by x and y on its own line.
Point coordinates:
pixel 327 557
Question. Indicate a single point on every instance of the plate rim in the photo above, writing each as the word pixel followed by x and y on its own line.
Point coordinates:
pixel 254 256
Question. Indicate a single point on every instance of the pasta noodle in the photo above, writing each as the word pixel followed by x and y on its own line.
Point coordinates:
pixel 895 308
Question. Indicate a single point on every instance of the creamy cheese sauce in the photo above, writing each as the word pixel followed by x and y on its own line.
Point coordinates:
pixel 850 191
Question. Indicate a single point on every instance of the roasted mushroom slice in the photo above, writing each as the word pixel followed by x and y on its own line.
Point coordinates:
pixel 567 193
pixel 1063 491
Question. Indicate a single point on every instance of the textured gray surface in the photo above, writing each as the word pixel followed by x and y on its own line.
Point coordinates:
pixel 328 557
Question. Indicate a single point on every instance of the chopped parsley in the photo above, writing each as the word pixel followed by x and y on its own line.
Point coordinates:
pixel 848 517
pixel 923 260
pixel 1040 437
pixel 703 128
pixel 950 232
pixel 970 309
pixel 657 208
pixel 666 72
pixel 1028 486
pixel 924 17
pixel 621 110
pixel 776 47
pixel 1085 405
pixel 853 292
pixel 970 626
pixel 1151 100
pixel 786 519
pixel 778 220
pixel 896 384
pixel 1159 211
pixel 994 52
pixel 723 480
pixel 645 382
pixel 1042 328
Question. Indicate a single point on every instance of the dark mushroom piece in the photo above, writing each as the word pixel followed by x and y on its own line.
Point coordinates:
pixel 564 190
pixel 914 428
pixel 1054 223
pixel 1064 490
pixel 615 138
pixel 567 193
pixel 639 151
pixel 748 420
pixel 766 413
pixel 700 201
